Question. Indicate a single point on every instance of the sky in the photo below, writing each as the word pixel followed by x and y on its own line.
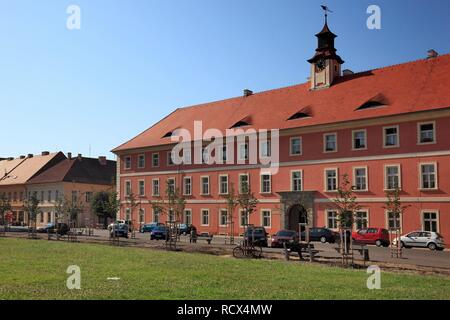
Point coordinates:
pixel 133 62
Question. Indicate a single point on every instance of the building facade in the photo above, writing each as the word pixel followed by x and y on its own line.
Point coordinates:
pixel 385 129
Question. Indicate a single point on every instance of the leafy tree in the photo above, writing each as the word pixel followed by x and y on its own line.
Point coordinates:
pixel 347 204
pixel 247 201
pixel 5 207
pixel 105 204
pixel 232 203
pixel 133 202
pixel 32 208
pixel 394 205
pixel 73 207
pixel 174 203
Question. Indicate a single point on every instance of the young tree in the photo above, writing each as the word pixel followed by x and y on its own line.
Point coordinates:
pixel 73 207
pixel 346 203
pixel 394 206
pixel 247 201
pixel 5 207
pixel 232 203
pixel 133 202
pixel 32 208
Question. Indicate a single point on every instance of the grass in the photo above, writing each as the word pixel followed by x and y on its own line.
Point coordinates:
pixel 36 269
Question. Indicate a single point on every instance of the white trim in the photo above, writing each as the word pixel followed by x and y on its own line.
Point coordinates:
pixel 433 122
pixel 365 139
pixel 167 184
pixel 325 179
pixel 139 187
pixel 262 217
pixel 436 180
pixel 220 217
pixel 241 211
pixel 367 178
pixel 292 179
pixel 386 214
pixel 125 188
pixel 325 142
pixel 220 184
pixel 399 167
pixel 169 157
pixel 298 163
pixel 239 181
pixel 367 211
pixel 201 186
pixel 269 149
pixel 153 154
pixel 239 151
pixel 422 218
pixel 184 214
pixel 184 186
pixel 326 212
pixel 384 136
pixel 201 217
pixel 125 163
pixel 290 147
pixel 138 158
pixel 384 199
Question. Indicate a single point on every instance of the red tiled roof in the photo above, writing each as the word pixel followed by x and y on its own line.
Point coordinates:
pixel 410 87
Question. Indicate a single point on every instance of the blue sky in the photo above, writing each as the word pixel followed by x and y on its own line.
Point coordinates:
pixel 133 62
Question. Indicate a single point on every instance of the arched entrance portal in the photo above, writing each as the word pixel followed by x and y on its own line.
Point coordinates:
pixel 297 214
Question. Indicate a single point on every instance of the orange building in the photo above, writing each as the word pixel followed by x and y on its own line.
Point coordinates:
pixel 385 128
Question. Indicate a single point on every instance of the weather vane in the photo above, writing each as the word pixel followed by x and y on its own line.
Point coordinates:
pixel 326 10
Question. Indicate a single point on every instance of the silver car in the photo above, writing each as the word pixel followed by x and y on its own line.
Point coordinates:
pixel 422 239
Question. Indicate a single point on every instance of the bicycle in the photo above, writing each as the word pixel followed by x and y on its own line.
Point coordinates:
pixel 247 250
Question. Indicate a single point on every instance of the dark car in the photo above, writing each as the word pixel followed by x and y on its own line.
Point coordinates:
pixel 159 233
pixel 321 234
pixel 282 236
pixel 257 236
pixel 60 228
pixel 150 226
pixel 185 228
pixel 119 230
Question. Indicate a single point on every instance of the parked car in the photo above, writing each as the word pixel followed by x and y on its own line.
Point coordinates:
pixel 119 230
pixel 120 222
pixel 257 235
pixel 321 234
pixel 282 236
pixel 150 226
pixel 377 236
pixel 185 228
pixel 61 228
pixel 159 233
pixel 422 239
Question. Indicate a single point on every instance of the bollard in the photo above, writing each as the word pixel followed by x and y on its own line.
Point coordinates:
pixel 286 252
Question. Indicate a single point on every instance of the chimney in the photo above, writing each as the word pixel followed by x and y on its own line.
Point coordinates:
pixel 432 54
pixel 80 157
pixel 22 157
pixel 30 155
pixel 69 155
pixel 347 72
pixel 10 159
pixel 45 153
pixel 102 160
pixel 247 92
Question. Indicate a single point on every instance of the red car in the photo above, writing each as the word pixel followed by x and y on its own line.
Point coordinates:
pixel 282 236
pixel 377 236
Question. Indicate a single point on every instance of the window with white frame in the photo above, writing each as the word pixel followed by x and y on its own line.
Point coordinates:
pixel 127 188
pixel 187 186
pixel 141 161
pixel 243 151
pixel 332 219
pixel 296 146
pixel 188 216
pixel 265 149
pixel 156 215
pixel 428 177
pixel 426 133
pixel 243 221
pixel 360 179
pixel 155 159
pixel 187 156
pixel 391 137
pixel 330 142
pixel 296 180
pixel 141 188
pixel 331 180
pixel 393 220
pixel 171 215
pixel 205 185
pixel 266 218
pixel 223 153
pixel 127 162
pixel 171 185
pixel 205 217
pixel 392 178
pixel 430 221
pixel 128 214
pixel 155 187
pixel 223 218
pixel 361 219
pixel 223 184
pixel 266 183
pixel 141 215
pixel 243 183
pixel 359 139
pixel 169 159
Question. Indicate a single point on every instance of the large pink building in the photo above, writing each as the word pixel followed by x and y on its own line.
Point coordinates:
pixel 385 128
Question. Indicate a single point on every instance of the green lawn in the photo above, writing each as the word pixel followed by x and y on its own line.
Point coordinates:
pixel 36 269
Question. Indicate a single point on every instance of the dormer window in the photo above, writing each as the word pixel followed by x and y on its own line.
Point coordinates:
pixel 370 105
pixel 168 134
pixel 299 115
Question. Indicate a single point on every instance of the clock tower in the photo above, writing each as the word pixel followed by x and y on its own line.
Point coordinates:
pixel 326 64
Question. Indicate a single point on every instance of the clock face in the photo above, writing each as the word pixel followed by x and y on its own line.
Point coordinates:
pixel 320 64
